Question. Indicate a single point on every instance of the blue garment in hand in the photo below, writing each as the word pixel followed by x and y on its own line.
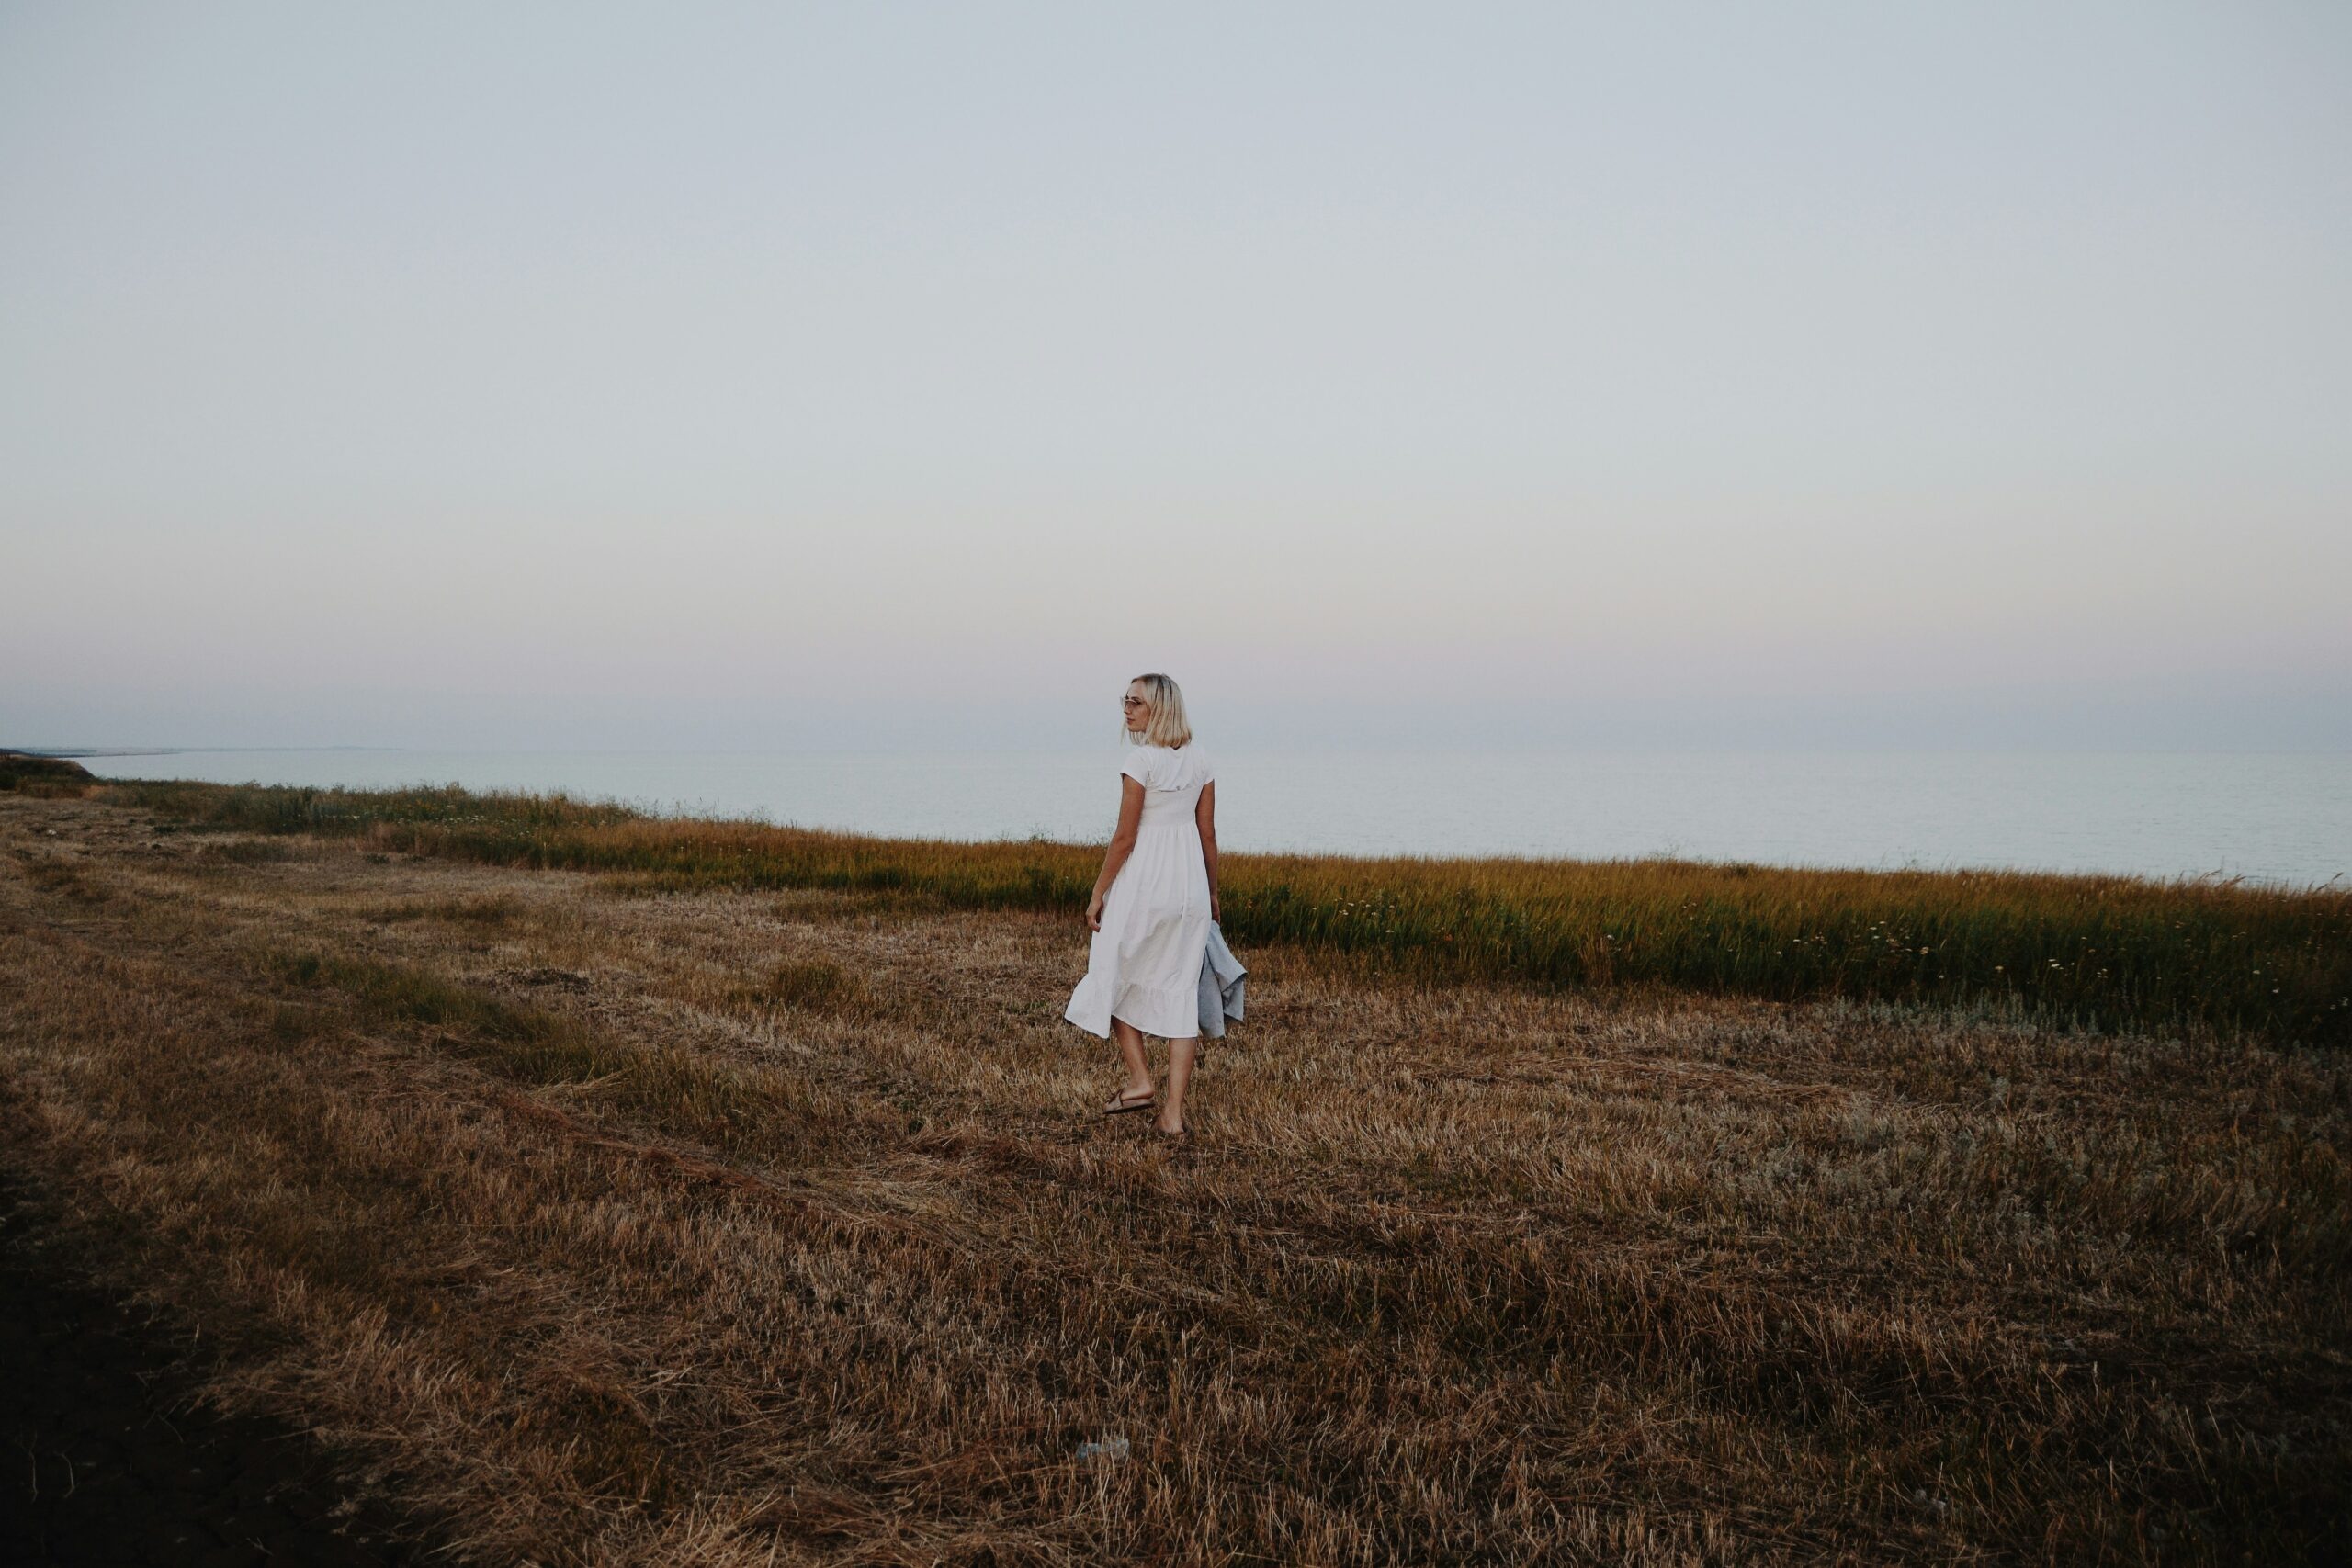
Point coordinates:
pixel 1221 977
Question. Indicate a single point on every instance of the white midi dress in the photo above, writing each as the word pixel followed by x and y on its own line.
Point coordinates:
pixel 1144 966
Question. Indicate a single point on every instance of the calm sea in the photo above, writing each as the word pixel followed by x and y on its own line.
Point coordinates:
pixel 2274 817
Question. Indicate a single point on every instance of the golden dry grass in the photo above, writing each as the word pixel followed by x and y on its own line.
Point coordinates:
pixel 733 1227
pixel 2118 954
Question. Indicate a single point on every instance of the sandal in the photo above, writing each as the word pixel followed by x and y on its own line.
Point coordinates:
pixel 1121 1103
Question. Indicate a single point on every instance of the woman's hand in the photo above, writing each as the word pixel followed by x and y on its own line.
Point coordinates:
pixel 1214 912
pixel 1094 911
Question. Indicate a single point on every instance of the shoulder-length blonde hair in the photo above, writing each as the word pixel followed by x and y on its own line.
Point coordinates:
pixel 1167 725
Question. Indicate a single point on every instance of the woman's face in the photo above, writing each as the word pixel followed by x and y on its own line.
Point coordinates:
pixel 1139 712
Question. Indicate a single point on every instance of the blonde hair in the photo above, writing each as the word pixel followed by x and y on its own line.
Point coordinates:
pixel 1167 726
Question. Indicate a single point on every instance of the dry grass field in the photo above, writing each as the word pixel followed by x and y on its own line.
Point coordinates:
pixel 622 1223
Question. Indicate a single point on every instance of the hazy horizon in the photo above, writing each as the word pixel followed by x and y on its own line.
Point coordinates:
pixel 594 378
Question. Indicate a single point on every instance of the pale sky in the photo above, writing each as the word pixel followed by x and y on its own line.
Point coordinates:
pixel 740 376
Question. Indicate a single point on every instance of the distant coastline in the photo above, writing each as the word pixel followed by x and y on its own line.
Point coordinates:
pixel 168 750
pixel 2282 820
pixel 93 750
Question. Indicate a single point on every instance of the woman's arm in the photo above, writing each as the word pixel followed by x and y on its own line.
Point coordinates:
pixel 1123 845
pixel 1204 814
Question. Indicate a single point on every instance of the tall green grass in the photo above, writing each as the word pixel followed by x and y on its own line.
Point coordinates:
pixel 2096 953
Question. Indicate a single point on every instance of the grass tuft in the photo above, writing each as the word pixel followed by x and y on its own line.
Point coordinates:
pixel 818 986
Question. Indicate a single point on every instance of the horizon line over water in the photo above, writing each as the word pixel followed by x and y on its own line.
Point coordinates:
pixel 2276 817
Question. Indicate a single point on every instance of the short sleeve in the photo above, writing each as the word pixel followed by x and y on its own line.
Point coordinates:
pixel 1204 766
pixel 1137 765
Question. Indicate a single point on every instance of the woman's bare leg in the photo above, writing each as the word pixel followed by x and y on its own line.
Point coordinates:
pixel 1180 1053
pixel 1130 1041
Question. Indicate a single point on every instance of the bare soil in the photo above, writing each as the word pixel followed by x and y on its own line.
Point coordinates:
pixel 108 1455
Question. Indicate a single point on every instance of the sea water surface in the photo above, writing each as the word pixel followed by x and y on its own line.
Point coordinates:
pixel 2274 817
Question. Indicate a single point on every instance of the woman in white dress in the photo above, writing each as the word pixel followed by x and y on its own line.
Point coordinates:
pixel 1152 905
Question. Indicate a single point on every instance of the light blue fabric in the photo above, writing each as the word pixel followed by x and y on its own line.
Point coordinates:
pixel 1221 977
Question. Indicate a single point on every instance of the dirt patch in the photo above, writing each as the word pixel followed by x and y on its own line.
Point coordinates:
pixel 107 1459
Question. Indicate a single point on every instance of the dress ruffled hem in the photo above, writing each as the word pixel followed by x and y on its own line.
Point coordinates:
pixel 1170 1013
pixel 1087 1010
